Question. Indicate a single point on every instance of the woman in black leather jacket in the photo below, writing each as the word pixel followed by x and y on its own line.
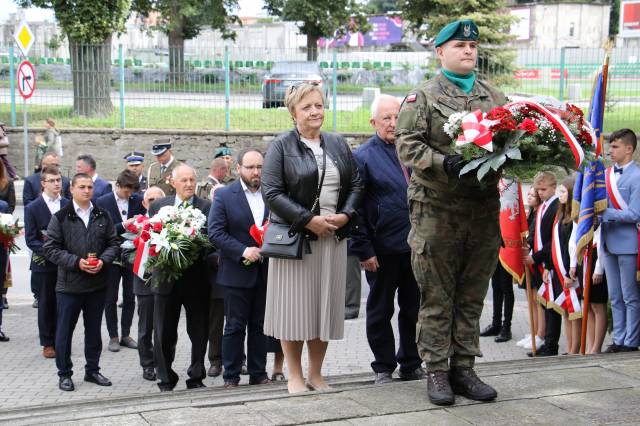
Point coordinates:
pixel 305 298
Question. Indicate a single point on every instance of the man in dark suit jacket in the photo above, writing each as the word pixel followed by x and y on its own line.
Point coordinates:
pixel 32 186
pixel 123 205
pixel 86 164
pixel 545 184
pixel 242 272
pixel 191 290
pixel 37 216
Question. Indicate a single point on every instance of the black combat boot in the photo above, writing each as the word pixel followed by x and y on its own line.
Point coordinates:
pixel 490 330
pixel 465 382
pixel 439 389
pixel 504 335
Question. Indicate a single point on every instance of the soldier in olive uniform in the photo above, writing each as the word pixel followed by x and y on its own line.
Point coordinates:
pixel 135 163
pixel 215 180
pixel 455 233
pixel 159 173
pixel 224 153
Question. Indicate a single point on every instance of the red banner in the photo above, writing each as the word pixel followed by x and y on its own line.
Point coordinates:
pixel 532 74
pixel 513 227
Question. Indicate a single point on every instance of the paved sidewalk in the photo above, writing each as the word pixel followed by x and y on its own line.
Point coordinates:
pixel 602 389
pixel 27 379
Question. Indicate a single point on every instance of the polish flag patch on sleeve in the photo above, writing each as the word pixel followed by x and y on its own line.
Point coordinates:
pixel 411 98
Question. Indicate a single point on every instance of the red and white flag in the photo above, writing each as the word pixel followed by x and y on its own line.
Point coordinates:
pixel 142 254
pixel 513 227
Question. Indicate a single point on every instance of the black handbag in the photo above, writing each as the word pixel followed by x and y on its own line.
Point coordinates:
pixel 280 242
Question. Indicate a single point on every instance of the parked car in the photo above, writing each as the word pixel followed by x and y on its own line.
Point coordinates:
pixel 289 73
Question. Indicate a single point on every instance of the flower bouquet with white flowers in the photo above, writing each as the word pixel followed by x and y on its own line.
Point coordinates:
pixel 168 243
pixel 521 137
pixel 10 228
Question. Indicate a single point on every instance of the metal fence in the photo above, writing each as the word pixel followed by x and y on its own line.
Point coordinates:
pixel 227 88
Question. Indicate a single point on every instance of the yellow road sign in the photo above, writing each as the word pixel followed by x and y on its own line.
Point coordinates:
pixel 24 37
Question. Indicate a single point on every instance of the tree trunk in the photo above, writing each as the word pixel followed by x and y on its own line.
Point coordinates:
pixel 91 75
pixel 312 48
pixel 176 57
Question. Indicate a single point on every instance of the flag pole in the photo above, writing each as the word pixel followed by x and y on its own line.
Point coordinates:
pixel 530 297
pixel 586 265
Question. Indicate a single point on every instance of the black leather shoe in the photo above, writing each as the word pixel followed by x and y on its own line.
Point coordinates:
pixel 490 330
pixel 97 378
pixel 465 382
pixel 66 384
pixel 263 381
pixel 417 374
pixel 149 374
pixel 195 385
pixel 3 338
pixel 382 378
pixel 439 388
pixel 613 348
pixel 543 351
pixel 215 370
pixel 166 387
pixel 504 335
pixel 628 349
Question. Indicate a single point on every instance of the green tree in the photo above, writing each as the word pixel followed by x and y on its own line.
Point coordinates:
pixel 89 26
pixel 614 18
pixel 183 20
pixel 428 17
pixel 380 7
pixel 320 18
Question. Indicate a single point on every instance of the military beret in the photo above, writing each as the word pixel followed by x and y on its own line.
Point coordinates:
pixel 464 29
pixel 222 151
pixel 134 158
pixel 160 146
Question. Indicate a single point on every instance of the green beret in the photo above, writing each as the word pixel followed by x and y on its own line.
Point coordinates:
pixel 464 29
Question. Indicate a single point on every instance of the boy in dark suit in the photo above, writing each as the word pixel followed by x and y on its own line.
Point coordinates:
pixel 545 184
pixel 36 220
pixel 190 291
pixel 123 204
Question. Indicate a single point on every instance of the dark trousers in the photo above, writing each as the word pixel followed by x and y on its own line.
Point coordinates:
pixel 354 287
pixel 35 287
pixel 553 321
pixel 69 308
pixel 128 301
pixel 166 315
pixel 145 330
pixel 47 306
pixel 216 327
pixel 502 288
pixel 394 274
pixel 244 314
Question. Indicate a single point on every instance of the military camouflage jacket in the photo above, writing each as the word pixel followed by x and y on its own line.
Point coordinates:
pixel 422 143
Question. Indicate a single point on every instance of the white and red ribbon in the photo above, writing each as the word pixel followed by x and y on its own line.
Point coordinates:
pixel 545 293
pixel 475 129
pixel 557 122
pixel 140 262
pixel 569 302
pixel 556 251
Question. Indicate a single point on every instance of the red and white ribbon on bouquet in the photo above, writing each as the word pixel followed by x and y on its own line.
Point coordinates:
pixel 142 254
pixel 475 129
pixel 560 125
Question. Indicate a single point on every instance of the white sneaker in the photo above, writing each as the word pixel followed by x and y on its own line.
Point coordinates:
pixel 539 343
pixel 524 340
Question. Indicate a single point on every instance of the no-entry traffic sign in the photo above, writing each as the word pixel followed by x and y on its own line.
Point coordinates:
pixel 26 79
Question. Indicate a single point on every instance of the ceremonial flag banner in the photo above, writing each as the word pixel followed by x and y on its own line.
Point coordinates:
pixel 597 106
pixel 592 199
pixel 513 227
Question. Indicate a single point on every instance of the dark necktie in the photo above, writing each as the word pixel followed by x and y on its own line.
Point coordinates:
pixel 163 169
pixel 617 169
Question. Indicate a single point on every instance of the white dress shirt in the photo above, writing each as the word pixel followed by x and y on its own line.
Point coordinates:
pixel 123 206
pixel 52 203
pixel 82 213
pixel 256 203
pixel 178 202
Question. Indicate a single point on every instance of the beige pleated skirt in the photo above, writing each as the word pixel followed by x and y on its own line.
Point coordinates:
pixel 305 298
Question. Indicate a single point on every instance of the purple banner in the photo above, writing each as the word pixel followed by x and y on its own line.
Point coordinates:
pixel 384 30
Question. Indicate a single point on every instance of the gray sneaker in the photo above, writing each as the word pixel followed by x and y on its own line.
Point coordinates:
pixel 114 345
pixel 383 378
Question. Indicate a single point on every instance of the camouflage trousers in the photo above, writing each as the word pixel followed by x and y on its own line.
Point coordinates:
pixel 454 253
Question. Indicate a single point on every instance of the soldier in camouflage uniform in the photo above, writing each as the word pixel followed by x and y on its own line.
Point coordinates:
pixel 224 153
pixel 215 180
pixel 159 173
pixel 455 232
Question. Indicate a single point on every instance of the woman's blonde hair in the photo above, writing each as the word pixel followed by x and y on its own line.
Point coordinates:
pixel 50 122
pixel 296 93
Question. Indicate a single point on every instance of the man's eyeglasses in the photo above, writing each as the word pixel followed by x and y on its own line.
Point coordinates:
pixel 58 180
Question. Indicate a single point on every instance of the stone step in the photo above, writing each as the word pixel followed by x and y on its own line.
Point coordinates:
pixel 518 379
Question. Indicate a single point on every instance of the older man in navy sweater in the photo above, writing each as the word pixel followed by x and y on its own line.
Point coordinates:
pixel 381 245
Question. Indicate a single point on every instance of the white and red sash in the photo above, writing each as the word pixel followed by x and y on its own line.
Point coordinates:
pixel 556 251
pixel 140 262
pixel 569 302
pixel 619 203
pixel 545 293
